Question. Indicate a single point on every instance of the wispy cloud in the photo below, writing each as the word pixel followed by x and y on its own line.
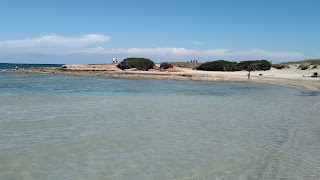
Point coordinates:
pixel 54 41
pixel 197 43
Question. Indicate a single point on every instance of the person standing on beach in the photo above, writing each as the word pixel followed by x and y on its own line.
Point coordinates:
pixel 112 60
pixel 116 60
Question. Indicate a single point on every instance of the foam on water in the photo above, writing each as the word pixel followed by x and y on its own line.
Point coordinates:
pixel 65 127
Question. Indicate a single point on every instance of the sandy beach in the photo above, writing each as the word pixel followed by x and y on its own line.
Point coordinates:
pixel 286 76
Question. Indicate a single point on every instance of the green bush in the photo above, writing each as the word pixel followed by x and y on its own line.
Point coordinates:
pixel 220 65
pixel 165 65
pixel 244 64
pixel 260 64
pixel 139 63
pixel 264 65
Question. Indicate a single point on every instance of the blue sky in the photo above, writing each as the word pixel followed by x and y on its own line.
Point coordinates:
pixel 94 31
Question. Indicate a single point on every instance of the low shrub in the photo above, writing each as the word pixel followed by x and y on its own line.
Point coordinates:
pixel 304 66
pixel 189 65
pixel 280 66
pixel 139 63
pixel 165 65
pixel 315 74
pixel 220 65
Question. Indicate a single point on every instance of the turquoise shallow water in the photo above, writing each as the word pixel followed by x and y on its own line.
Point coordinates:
pixel 66 127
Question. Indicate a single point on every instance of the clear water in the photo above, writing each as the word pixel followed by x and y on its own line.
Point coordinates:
pixel 66 127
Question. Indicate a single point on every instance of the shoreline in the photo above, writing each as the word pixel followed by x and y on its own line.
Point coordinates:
pixel 278 77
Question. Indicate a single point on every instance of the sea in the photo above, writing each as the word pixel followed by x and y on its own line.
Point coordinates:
pixel 55 126
pixel 12 66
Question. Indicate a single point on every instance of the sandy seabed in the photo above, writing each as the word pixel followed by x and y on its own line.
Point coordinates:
pixel 286 76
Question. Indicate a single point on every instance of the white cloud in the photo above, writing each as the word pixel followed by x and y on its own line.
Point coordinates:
pixel 49 45
pixel 54 41
pixel 210 54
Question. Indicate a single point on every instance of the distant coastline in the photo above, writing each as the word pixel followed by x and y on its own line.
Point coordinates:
pixel 290 75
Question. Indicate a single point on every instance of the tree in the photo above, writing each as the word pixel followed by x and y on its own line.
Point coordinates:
pixel 252 67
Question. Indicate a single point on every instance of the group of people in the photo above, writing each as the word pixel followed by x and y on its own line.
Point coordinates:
pixel 115 60
pixel 194 61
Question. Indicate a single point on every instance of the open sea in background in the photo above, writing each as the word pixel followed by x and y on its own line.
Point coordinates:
pixel 67 127
pixel 11 66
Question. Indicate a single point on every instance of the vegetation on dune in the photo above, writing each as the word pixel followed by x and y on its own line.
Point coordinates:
pixel 280 66
pixel 189 65
pixel 308 61
pixel 222 65
pixel 303 65
pixel 218 65
pixel 139 63
pixel 165 65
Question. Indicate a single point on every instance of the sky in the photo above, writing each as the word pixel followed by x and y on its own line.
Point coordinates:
pixel 94 31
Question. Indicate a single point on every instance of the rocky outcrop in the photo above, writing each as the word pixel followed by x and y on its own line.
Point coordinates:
pixel 89 67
